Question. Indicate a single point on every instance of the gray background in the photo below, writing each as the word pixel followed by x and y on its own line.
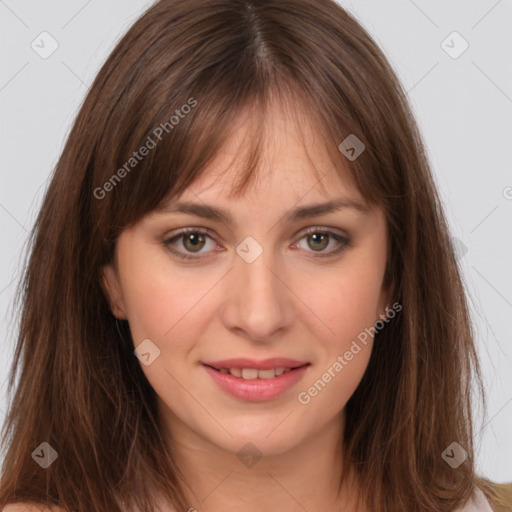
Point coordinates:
pixel 463 106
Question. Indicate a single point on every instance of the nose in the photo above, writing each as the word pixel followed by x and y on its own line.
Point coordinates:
pixel 259 301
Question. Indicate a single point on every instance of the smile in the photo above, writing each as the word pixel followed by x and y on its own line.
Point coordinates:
pixel 256 384
pixel 254 373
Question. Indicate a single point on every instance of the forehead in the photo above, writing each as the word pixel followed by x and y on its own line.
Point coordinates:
pixel 294 160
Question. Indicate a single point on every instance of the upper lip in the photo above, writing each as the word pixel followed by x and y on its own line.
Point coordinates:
pixel 264 364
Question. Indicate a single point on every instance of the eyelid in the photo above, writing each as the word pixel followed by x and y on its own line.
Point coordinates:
pixel 167 242
pixel 323 229
pixel 343 238
pixel 213 235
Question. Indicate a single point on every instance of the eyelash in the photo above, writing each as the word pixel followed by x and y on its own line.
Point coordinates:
pixel 345 241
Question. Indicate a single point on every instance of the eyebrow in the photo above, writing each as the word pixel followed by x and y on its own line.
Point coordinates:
pixel 295 214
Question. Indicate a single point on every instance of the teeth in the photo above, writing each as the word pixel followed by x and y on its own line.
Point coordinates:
pixel 266 374
pixel 249 373
pixel 237 372
pixel 254 373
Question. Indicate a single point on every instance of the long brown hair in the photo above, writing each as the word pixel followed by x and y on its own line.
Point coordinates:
pixel 175 84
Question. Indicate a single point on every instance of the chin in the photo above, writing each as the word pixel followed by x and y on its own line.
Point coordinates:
pixel 268 437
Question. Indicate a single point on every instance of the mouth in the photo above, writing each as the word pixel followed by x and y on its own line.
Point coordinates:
pixel 256 381
pixel 256 373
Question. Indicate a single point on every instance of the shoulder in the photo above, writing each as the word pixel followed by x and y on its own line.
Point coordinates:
pixel 481 503
pixel 501 496
pixel 31 507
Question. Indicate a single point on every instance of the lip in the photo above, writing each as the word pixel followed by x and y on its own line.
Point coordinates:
pixel 256 390
pixel 264 364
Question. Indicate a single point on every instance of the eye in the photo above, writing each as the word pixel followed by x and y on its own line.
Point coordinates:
pixel 318 239
pixel 193 240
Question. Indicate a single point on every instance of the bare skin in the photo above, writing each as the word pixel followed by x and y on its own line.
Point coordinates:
pixel 289 302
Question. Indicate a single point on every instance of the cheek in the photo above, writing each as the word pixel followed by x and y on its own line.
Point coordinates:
pixel 165 308
pixel 164 305
pixel 345 302
pixel 347 308
pixel 325 396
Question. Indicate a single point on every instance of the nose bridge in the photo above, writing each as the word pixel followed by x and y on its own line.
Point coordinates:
pixel 253 268
pixel 259 302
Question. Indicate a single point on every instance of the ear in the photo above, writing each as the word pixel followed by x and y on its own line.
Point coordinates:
pixel 112 289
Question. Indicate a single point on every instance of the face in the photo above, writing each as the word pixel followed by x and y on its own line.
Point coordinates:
pixel 274 289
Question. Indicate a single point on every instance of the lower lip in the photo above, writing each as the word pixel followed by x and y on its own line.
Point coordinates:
pixel 256 390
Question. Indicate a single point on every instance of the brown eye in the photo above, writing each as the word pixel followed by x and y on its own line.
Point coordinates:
pixel 190 242
pixel 319 241
pixel 193 241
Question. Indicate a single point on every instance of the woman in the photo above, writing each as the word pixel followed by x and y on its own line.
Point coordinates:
pixel 242 291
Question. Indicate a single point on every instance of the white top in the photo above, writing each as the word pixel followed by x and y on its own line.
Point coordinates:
pixel 479 503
